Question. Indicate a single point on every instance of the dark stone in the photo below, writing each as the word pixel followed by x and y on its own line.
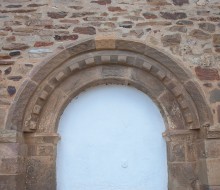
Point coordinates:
pixel 14 53
pixel 156 23
pixel 208 85
pixel 15 46
pixel 158 2
pixel 149 15
pixel 102 2
pixel 126 24
pixel 207 27
pixel 184 22
pixel 18 11
pixel 199 34
pixel 82 14
pixel 180 2
pixel 13 6
pixel 215 96
pixel 214 19
pixel 116 9
pixel 85 30
pixel 169 40
pixel 15 78
pixel 11 90
pixel 173 16
pixel 36 5
pixel 8 71
pixel 207 73
pixel 66 37
pixel 76 7
pixel 57 15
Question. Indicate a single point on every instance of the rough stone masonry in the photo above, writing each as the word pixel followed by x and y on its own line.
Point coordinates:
pixel 188 31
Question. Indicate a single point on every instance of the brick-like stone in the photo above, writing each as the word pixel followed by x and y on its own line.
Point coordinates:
pixel 207 73
pixel 208 27
pixel 184 22
pixel 180 2
pixel 148 15
pixel 42 44
pixel 215 96
pixel 15 46
pixel 82 14
pixel 182 29
pixel 170 40
pixel 66 37
pixel 102 2
pixel 115 9
pixel 57 15
pixel 199 34
pixel 85 30
pixel 173 16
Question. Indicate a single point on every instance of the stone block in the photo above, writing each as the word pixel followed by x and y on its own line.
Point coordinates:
pixel 213 171
pixel 176 151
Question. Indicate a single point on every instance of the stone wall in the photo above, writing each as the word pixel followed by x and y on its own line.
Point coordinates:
pixel 31 31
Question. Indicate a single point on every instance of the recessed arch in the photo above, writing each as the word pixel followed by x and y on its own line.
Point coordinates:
pixel 52 84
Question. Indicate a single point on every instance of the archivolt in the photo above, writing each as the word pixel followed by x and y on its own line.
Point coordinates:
pixel 52 84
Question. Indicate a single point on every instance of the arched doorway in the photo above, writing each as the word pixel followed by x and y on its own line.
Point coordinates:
pixel 111 138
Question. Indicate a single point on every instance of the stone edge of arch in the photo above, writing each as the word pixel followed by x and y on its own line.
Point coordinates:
pixel 41 71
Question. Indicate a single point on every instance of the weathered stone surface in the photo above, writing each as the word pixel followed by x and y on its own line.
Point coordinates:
pixel 82 14
pixel 4 56
pixel 18 11
pixel 102 2
pixel 126 24
pixel 148 15
pixel 85 30
pixel 13 6
pixel 15 46
pixel 207 73
pixel 218 113
pixel 7 62
pixel 57 15
pixel 184 22
pixel 176 151
pixel 215 96
pixel 216 39
pixel 36 5
pixel 169 40
pixel 182 29
pixel 180 2
pixel 158 2
pixel 115 9
pixel 199 34
pixel 173 16
pixel 208 27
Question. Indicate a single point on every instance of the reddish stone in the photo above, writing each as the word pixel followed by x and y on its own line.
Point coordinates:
pixel 173 16
pixel 115 9
pixel 102 2
pixel 149 15
pixel 66 37
pixel 216 39
pixel 214 19
pixel 4 56
pixel 42 44
pixel 207 73
pixel 156 23
pixel 10 38
pixel 85 30
pixel 57 15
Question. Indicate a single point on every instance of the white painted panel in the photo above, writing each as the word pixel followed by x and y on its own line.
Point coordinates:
pixel 111 139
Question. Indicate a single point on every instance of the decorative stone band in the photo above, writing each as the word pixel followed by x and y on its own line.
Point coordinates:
pixel 213 132
pixel 107 60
